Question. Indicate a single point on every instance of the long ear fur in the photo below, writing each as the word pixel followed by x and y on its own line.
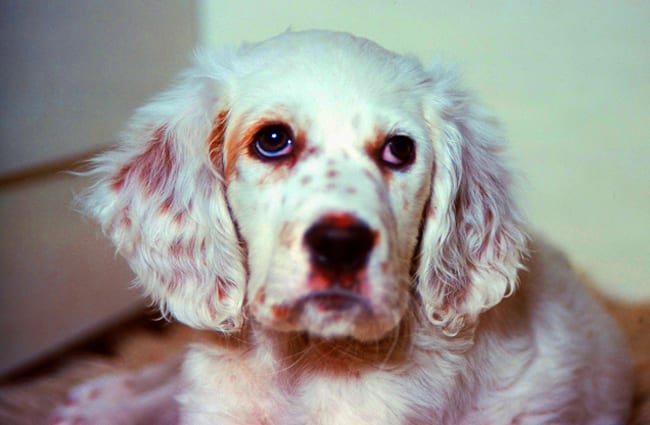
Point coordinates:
pixel 161 200
pixel 473 237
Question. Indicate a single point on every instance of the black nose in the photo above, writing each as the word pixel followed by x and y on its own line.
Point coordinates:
pixel 340 243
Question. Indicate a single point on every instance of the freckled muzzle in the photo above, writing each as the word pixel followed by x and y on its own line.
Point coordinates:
pixel 341 281
pixel 335 271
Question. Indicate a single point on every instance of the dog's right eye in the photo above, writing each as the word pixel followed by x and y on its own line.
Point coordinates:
pixel 273 142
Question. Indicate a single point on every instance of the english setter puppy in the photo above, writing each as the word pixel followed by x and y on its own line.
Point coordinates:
pixel 343 217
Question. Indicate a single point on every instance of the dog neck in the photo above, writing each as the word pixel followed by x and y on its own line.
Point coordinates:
pixel 299 352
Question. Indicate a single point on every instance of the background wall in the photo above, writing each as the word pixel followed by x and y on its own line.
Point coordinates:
pixel 72 72
pixel 570 81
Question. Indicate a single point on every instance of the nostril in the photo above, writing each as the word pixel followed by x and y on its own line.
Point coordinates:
pixel 340 245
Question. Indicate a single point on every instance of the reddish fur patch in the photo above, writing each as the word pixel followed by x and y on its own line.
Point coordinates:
pixel 261 296
pixel 332 173
pixel 280 312
pixel 221 288
pixel 231 150
pixel 179 217
pixel 152 168
pixel 340 219
pixel 216 141
pixel 176 249
pixel 316 282
pixel 322 279
pixel 221 291
pixel 214 314
pixel 180 249
pixel 173 282
pixel 119 179
pixel 373 149
pixel 166 205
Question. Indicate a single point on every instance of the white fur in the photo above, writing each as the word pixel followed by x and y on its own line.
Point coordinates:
pixel 459 332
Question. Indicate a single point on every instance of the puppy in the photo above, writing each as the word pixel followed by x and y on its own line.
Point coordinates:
pixel 343 217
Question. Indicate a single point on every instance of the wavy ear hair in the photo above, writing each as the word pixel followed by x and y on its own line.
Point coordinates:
pixel 160 197
pixel 473 237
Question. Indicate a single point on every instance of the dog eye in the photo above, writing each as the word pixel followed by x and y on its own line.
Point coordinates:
pixel 398 152
pixel 274 141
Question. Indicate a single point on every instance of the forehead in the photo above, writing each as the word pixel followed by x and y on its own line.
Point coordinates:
pixel 328 77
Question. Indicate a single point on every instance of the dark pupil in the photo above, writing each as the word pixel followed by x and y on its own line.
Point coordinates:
pixel 273 139
pixel 401 148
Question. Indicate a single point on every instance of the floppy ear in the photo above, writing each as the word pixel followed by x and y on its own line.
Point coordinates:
pixel 160 197
pixel 473 236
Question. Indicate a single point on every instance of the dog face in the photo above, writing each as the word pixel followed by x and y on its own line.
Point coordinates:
pixel 327 182
pixel 303 180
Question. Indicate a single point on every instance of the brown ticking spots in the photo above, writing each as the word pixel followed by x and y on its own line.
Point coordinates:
pixel 373 149
pixel 152 168
pixel 305 180
pixel 221 291
pixel 122 220
pixel 260 298
pixel 216 141
pixel 280 312
pixel 311 150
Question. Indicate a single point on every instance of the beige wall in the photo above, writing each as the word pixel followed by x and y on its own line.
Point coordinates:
pixel 569 79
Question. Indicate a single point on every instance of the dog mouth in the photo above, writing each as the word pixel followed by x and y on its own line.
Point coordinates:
pixel 335 300
pixel 331 313
pixel 334 313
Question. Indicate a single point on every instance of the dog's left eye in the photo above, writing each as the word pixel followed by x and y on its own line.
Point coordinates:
pixel 398 152
pixel 274 141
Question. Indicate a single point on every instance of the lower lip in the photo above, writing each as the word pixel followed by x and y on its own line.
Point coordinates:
pixel 334 302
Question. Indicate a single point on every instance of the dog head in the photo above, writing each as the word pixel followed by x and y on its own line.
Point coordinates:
pixel 314 182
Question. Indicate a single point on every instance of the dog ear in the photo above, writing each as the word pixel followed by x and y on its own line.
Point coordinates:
pixel 160 197
pixel 473 237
